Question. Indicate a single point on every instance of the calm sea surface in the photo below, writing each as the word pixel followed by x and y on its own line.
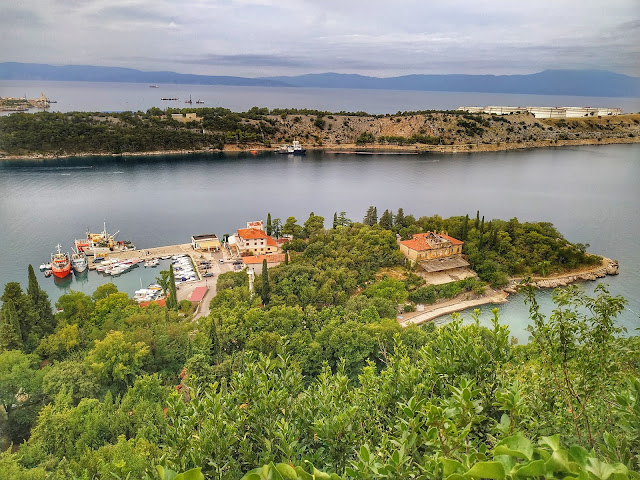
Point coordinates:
pixel 95 96
pixel 589 193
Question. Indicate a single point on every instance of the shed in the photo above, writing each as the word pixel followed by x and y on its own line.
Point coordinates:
pixel 208 242
pixel 198 294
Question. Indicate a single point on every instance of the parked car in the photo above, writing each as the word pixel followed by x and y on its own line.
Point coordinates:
pixel 208 274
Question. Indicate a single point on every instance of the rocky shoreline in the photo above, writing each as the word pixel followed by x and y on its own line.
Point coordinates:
pixel 346 148
pixel 607 267
pixel 467 300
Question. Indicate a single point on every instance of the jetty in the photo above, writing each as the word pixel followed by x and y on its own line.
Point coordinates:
pixel 22 104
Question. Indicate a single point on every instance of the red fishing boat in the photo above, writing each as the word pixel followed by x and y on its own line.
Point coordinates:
pixel 60 263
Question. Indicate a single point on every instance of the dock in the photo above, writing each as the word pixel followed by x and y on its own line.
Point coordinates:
pixel 147 253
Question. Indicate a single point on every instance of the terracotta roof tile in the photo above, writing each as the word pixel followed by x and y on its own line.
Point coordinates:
pixel 257 259
pixel 251 233
pixel 419 241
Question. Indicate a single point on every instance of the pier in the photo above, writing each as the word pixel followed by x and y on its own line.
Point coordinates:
pixel 186 288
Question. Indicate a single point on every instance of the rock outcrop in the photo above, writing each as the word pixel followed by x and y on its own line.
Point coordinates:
pixel 608 267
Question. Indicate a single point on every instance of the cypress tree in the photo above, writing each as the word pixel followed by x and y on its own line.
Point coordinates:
pixel 214 349
pixel 19 313
pixel 286 258
pixel 465 228
pixel 335 220
pixel 265 282
pixel 10 337
pixel 42 304
pixel 172 301
pixel 269 229
pixel 482 225
pixel 477 219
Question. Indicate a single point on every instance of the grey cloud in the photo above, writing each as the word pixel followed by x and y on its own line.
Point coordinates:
pixel 17 17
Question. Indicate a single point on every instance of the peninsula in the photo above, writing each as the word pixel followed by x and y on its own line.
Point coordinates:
pixel 159 131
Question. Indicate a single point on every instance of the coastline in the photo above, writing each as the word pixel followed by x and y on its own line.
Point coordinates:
pixel 352 147
pixel 467 300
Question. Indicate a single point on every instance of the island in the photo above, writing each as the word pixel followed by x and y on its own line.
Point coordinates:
pixel 193 130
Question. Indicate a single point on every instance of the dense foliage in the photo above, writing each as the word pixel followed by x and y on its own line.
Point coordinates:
pixel 312 369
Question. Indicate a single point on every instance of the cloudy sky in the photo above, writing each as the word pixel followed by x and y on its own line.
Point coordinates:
pixel 287 37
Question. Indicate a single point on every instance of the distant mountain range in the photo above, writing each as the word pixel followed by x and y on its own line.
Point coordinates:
pixel 88 73
pixel 596 83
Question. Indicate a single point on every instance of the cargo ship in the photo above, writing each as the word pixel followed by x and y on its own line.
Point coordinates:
pixel 60 263
pixel 103 242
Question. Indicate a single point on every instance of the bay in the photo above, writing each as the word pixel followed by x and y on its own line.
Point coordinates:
pixel 589 193
pixel 106 96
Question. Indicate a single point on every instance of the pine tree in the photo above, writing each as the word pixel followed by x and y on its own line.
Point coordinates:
pixel 269 229
pixel 386 220
pixel 371 218
pixel 399 220
pixel 265 282
pixel 335 220
pixel 46 320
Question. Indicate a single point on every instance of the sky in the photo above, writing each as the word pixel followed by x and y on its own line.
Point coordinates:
pixel 255 38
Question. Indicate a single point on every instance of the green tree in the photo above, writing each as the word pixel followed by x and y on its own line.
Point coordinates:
pixel 74 307
pixel 17 305
pixel 399 221
pixel 20 391
pixel 335 220
pixel 465 228
pixel 313 226
pixel 116 361
pixel 172 298
pixel 42 304
pixel 276 227
pixel 266 290
pixel 343 221
pixel 10 336
pixel 104 291
pixel 286 258
pixel 386 220
pixel 269 227
pixel 292 228
pixel 371 217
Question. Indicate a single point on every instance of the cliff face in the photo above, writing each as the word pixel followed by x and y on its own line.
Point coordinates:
pixel 432 130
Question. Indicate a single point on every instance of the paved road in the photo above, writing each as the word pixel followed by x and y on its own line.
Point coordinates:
pixel 216 268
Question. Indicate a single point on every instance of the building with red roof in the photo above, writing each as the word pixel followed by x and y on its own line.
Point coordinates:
pixel 254 241
pixel 430 246
pixel 198 294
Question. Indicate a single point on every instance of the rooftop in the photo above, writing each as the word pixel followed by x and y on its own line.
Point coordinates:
pixel 257 259
pixel 198 294
pixel 430 240
pixel 251 233
pixel 207 236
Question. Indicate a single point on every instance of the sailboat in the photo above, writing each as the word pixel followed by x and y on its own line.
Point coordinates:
pixel 189 101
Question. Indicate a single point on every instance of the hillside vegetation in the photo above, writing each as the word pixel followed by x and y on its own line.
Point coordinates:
pixel 312 369
pixel 218 128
